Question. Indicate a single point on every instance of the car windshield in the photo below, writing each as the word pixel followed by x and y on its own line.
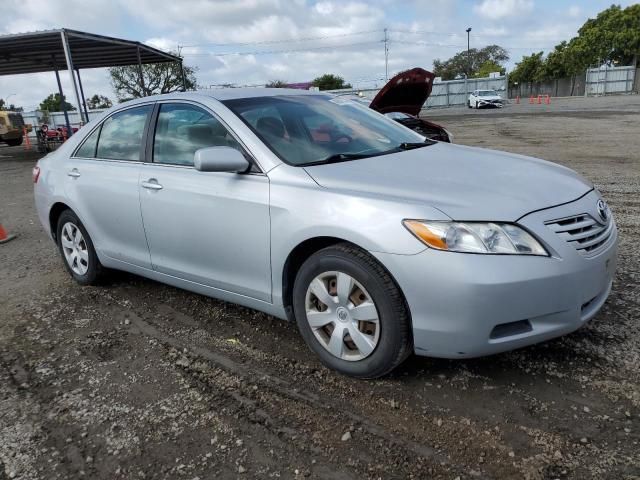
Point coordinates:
pixel 315 129
pixel 487 93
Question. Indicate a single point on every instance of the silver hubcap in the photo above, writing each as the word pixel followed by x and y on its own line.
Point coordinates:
pixel 74 248
pixel 342 316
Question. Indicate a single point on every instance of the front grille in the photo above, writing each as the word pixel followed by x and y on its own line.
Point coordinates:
pixel 16 120
pixel 582 231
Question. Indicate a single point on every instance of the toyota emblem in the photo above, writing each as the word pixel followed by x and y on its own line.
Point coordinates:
pixel 603 210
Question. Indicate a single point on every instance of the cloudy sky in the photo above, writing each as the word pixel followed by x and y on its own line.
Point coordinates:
pixel 254 41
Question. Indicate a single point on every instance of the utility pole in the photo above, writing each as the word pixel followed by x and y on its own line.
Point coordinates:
pixel 386 56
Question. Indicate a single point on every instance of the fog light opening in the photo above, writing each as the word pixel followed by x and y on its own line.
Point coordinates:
pixel 511 328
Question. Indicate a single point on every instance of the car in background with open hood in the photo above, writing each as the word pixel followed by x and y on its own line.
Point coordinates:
pixel 402 98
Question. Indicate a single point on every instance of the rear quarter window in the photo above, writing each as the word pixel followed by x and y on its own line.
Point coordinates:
pixel 88 148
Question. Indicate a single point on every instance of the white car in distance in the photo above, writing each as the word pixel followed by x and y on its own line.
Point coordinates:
pixel 485 98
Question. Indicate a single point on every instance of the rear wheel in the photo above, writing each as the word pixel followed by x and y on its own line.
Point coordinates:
pixel 351 313
pixel 77 250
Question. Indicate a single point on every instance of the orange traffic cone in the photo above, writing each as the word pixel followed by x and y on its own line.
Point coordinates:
pixel 4 236
pixel 518 99
pixel 27 144
pixel 531 99
pixel 547 100
pixel 539 99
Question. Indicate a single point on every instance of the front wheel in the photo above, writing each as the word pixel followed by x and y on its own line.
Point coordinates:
pixel 351 313
pixel 77 250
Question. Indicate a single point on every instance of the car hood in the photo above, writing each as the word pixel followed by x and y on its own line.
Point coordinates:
pixel 465 183
pixel 490 97
pixel 406 92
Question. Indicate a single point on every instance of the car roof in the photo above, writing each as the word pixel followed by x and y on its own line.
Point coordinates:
pixel 234 93
pixel 220 94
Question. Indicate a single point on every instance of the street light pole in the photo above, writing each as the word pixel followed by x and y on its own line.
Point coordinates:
pixel 386 56
pixel 6 100
pixel 468 51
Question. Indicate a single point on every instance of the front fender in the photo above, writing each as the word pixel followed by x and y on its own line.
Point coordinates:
pixel 301 210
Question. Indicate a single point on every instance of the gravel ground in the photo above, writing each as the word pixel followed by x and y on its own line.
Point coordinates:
pixel 140 380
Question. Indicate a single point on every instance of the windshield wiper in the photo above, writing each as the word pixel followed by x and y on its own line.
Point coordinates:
pixel 412 145
pixel 336 158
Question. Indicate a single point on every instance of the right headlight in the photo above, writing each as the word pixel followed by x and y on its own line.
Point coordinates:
pixel 475 237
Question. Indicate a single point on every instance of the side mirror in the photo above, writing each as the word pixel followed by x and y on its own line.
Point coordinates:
pixel 220 159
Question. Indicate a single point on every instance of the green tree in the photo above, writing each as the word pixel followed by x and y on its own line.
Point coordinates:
pixel 277 84
pixel 487 68
pixel 158 78
pixel 99 101
pixel 10 107
pixel 470 62
pixel 529 69
pixel 612 37
pixel 558 62
pixel 53 103
pixel 329 81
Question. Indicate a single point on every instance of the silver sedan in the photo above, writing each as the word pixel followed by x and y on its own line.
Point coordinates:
pixel 378 242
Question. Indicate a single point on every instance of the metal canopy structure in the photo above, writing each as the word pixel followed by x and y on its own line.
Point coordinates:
pixel 72 50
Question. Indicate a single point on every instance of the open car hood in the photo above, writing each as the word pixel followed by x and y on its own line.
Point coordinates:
pixel 406 92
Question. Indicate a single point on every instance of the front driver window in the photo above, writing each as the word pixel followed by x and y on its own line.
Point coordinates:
pixel 182 129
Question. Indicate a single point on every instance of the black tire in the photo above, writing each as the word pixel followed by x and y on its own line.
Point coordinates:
pixel 469 104
pixel 395 342
pixel 14 142
pixel 95 272
pixel 476 105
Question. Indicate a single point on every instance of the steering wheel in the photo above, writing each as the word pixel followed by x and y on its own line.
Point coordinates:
pixel 341 136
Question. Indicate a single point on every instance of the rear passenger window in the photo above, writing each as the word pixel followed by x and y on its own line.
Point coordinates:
pixel 121 134
pixel 182 129
pixel 88 148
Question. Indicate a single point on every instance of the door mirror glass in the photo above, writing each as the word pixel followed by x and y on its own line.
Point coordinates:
pixel 220 159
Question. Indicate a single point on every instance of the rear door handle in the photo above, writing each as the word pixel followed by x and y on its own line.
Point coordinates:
pixel 74 173
pixel 152 184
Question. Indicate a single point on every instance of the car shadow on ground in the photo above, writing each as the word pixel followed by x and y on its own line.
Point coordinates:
pixel 259 329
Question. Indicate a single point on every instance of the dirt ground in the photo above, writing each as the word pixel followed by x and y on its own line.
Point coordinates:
pixel 140 380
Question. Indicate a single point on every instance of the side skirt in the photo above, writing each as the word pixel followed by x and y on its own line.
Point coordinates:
pixel 268 308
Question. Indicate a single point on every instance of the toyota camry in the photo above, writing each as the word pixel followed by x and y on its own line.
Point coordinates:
pixel 375 240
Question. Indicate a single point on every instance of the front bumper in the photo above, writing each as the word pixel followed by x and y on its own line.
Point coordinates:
pixel 490 103
pixel 470 305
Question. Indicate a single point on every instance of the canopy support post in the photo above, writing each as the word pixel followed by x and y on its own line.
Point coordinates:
pixel 144 90
pixel 67 55
pixel 63 103
pixel 84 100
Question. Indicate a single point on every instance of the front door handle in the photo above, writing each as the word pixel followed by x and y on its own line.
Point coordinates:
pixel 152 184
pixel 74 173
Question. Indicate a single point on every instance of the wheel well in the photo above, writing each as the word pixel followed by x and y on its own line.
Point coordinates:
pixel 54 215
pixel 295 260
pixel 298 256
